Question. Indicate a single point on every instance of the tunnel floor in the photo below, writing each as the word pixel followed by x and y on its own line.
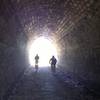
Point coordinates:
pixel 46 85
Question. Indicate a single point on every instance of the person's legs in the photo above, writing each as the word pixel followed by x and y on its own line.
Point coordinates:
pixel 53 68
pixel 36 65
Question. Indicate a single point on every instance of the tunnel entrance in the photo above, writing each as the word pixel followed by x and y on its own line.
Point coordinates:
pixel 44 48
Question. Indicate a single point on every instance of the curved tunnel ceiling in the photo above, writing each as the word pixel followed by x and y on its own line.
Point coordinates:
pixel 53 18
pixel 56 19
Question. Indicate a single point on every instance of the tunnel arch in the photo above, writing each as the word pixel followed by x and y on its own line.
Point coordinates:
pixel 74 26
pixel 44 47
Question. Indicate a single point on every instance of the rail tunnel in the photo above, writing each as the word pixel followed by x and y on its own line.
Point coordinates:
pixel 72 25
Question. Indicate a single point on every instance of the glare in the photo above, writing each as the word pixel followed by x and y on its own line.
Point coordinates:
pixel 44 48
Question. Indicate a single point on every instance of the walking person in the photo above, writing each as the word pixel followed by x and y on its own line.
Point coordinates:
pixel 53 62
pixel 36 61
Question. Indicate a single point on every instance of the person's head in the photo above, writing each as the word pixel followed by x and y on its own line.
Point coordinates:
pixel 53 57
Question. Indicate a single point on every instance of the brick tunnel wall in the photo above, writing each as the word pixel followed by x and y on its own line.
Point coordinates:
pixel 12 49
pixel 80 47
pixel 12 65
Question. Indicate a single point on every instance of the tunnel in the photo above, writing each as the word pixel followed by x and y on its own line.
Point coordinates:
pixel 72 25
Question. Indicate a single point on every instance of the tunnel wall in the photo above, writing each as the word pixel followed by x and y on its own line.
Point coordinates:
pixel 80 47
pixel 12 65
pixel 12 49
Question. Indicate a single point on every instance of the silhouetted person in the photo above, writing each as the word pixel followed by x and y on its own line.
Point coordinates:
pixel 53 62
pixel 36 61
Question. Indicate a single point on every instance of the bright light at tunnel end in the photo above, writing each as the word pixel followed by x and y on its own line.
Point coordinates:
pixel 44 48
